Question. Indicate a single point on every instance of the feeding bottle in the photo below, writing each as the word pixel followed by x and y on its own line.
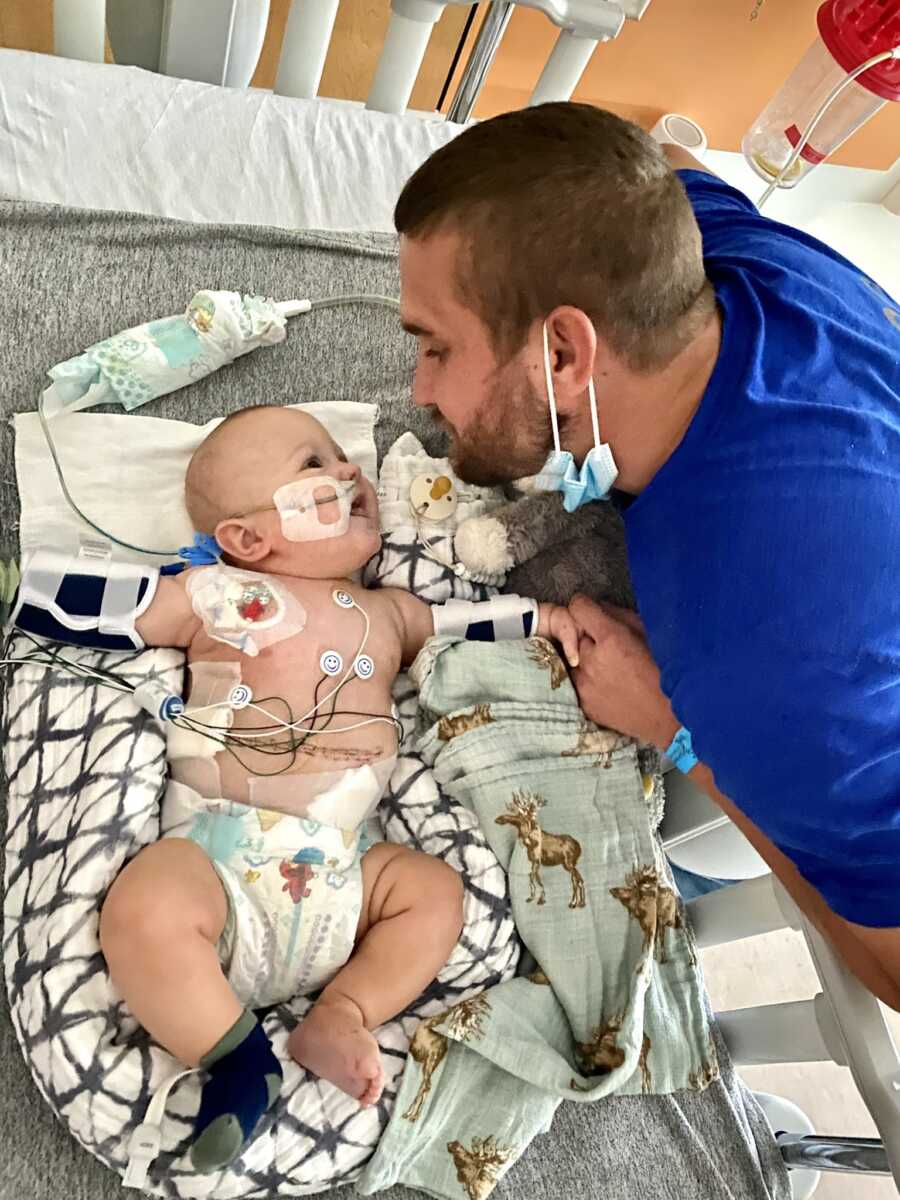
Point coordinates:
pixel 850 32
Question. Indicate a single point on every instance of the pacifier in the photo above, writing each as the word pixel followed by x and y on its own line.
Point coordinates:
pixel 433 497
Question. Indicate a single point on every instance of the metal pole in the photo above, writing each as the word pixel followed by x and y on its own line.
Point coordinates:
pixel 479 63
pixel 852 1155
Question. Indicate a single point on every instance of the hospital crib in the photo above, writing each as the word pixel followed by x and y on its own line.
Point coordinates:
pixel 219 42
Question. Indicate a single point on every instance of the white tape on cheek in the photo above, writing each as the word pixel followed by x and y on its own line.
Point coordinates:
pixel 244 610
pixel 316 508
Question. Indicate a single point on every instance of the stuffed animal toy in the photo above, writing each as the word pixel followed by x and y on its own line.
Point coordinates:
pixel 547 553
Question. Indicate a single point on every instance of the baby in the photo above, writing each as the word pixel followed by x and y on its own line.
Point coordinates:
pixel 261 887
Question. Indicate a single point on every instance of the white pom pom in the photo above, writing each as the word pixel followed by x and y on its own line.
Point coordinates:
pixel 481 545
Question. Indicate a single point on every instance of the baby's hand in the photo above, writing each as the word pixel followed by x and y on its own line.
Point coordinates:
pixel 557 623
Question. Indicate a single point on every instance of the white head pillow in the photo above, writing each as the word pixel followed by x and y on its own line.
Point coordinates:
pixel 127 473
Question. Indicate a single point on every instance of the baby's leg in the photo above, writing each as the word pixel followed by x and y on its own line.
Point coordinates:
pixel 410 921
pixel 158 929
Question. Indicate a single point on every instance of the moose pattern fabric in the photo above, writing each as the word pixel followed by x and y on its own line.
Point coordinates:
pixel 613 1001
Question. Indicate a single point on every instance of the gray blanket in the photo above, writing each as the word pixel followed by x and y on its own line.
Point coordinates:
pixel 71 277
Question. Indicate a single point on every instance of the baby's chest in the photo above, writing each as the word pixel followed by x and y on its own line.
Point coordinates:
pixel 349 632
pixel 298 624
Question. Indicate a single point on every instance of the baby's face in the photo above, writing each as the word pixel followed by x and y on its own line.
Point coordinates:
pixel 267 468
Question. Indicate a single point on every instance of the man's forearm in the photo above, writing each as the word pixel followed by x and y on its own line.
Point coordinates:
pixel 873 955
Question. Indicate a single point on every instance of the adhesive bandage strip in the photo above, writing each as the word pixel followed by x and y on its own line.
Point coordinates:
pixel 85 599
pixel 343 798
pixel 499 619
pixel 314 508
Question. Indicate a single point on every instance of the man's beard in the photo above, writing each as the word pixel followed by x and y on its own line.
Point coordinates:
pixel 508 438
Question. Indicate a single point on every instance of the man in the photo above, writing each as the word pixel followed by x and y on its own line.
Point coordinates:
pixel 747 381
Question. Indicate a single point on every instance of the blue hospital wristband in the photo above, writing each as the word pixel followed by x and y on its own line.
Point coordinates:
pixel 681 752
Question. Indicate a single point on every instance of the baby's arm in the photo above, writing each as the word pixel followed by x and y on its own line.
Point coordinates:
pixel 170 620
pixel 473 620
pixel 415 621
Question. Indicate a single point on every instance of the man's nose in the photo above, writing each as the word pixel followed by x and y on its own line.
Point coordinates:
pixel 420 394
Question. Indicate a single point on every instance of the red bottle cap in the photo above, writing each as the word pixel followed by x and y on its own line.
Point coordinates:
pixel 854 30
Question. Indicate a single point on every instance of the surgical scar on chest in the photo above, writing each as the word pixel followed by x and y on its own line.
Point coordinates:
pixel 344 754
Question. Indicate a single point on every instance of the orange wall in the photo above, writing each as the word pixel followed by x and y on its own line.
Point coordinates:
pixel 704 58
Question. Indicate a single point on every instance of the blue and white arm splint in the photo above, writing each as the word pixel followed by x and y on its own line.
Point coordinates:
pixel 84 599
pixel 87 599
pixel 501 618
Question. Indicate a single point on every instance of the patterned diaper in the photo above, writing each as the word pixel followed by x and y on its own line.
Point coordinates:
pixel 294 884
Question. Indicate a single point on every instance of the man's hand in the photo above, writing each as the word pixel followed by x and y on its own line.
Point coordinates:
pixel 617 680
pixel 556 622
pixel 618 686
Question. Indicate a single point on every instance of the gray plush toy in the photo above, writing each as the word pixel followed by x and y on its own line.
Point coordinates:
pixel 547 553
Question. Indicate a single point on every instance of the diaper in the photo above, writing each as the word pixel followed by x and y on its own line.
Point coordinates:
pixel 293 884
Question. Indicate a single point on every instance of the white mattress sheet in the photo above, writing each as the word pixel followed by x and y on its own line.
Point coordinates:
pixel 99 136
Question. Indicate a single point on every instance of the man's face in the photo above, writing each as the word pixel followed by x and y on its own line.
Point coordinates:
pixel 496 415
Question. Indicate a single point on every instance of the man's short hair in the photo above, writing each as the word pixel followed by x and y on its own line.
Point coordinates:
pixel 567 204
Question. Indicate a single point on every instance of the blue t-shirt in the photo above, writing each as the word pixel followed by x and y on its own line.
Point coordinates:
pixel 766 554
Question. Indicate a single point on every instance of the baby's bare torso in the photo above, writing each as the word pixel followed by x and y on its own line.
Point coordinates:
pixel 287 679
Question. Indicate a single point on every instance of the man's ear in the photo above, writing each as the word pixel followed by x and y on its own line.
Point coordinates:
pixel 574 348
pixel 240 540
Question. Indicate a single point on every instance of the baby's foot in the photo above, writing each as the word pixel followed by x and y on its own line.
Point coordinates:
pixel 332 1042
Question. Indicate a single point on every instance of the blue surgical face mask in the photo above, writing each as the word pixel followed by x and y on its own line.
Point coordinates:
pixel 559 474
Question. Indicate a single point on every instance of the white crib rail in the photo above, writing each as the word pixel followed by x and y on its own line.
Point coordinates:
pixel 407 38
pixel 565 66
pixel 219 41
pixel 79 29
pixel 843 1023
pixel 307 36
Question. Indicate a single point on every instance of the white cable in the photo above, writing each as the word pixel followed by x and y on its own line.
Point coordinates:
pixel 820 113
pixel 551 400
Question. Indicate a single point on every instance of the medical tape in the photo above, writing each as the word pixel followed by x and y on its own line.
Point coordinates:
pixel 42 575
pixel 200 774
pixel 509 617
pixel 343 799
pixel 246 610
pixel 211 684
pixel 299 502
pixel 509 613
pixel 118 608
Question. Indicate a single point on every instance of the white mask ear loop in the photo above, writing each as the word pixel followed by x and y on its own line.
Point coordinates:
pixel 596 424
pixel 551 398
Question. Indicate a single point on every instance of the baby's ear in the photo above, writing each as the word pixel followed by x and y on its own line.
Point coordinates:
pixel 240 540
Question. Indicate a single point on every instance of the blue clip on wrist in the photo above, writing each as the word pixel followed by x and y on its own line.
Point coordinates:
pixel 681 752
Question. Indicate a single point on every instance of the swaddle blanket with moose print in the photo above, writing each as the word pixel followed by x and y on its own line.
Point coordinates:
pixel 615 1000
